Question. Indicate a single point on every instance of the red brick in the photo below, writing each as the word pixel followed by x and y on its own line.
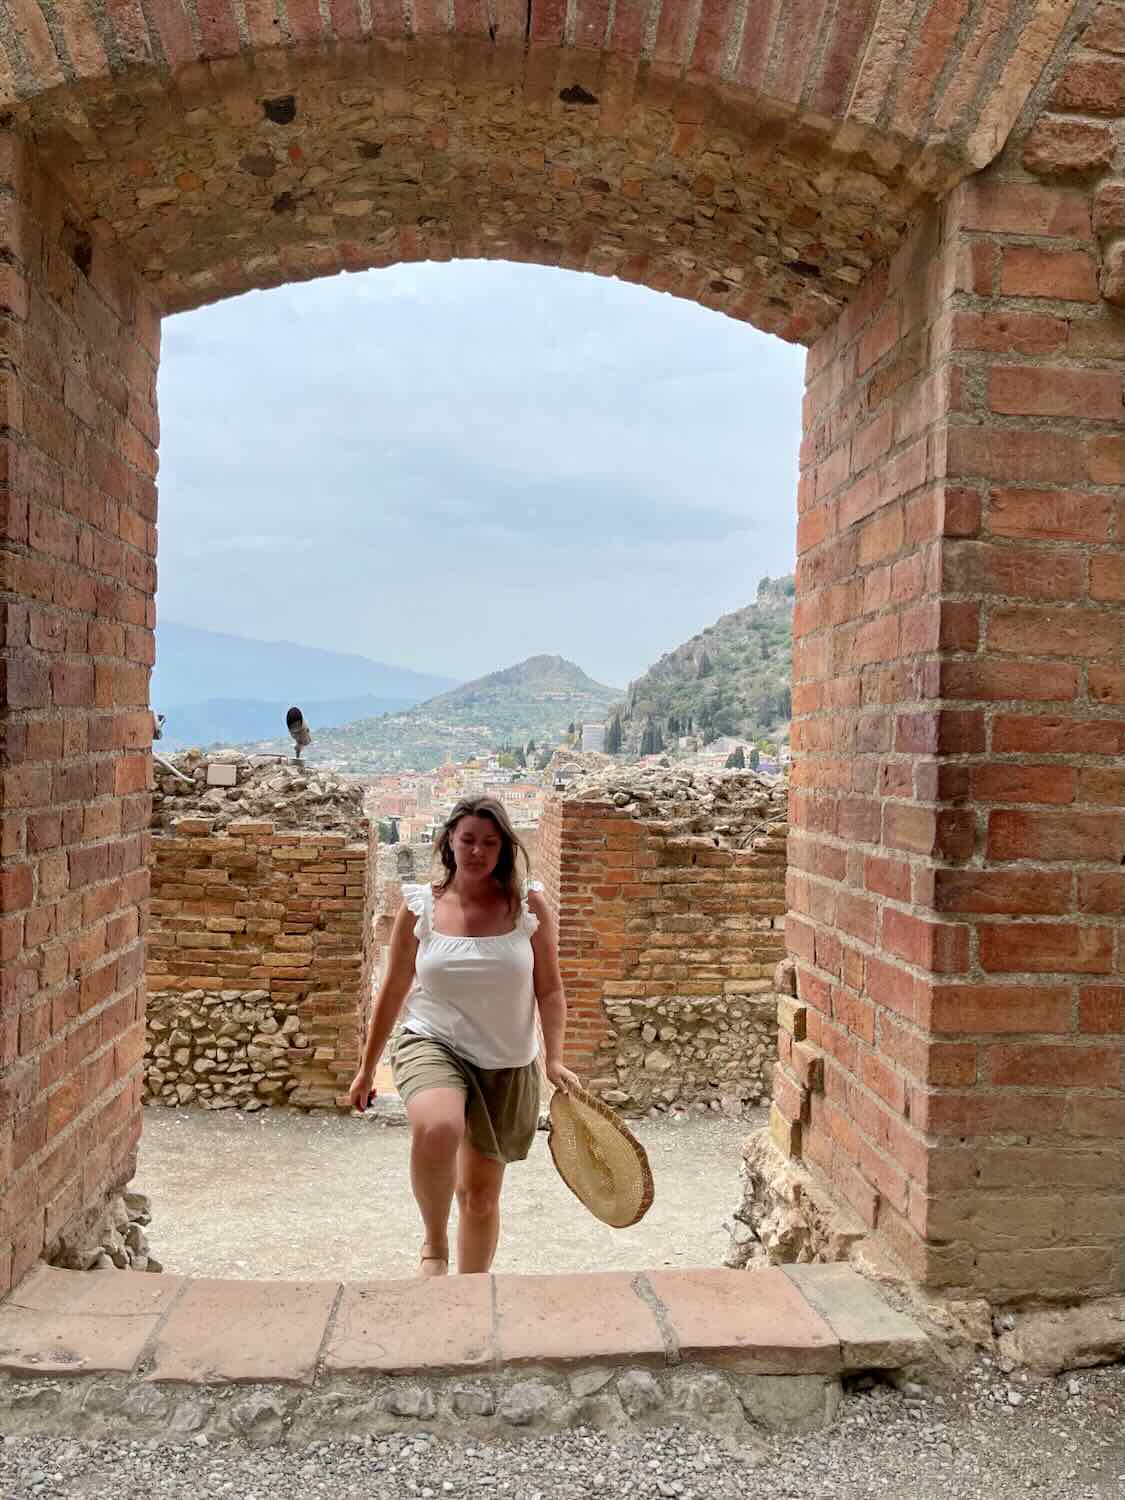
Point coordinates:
pixel 1050 391
pixel 1107 577
pixel 1047 733
pixel 1059 146
pixel 1093 86
pixel 1031 209
pixel 1002 892
pixel 1001 782
pixel 1106 30
pixel 1056 632
pixel 1056 835
pixel 887 877
pixel 996 1009
pixel 1102 894
pixel 1050 515
pixel 1101 1009
pixel 1102 784
pixel 895 987
pixel 1005 332
pixel 940 947
pixel 1054 1065
pixel 1045 948
pixel 1017 572
pixel 999 679
pixel 973 1114
pixel 1059 275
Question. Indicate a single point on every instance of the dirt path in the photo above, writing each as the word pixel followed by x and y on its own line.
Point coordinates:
pixel 282 1194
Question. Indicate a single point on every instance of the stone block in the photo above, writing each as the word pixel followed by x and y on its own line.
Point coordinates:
pixel 749 1321
pixel 224 1331
pixel 378 1325
pixel 564 1319
pixel 873 1336
pixel 790 1403
pixel 791 1017
pixel 220 773
pixel 785 1134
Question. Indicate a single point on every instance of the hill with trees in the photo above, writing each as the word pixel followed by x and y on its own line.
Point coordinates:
pixel 538 699
pixel 732 678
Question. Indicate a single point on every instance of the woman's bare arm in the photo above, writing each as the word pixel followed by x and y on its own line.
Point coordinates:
pixel 391 994
pixel 549 991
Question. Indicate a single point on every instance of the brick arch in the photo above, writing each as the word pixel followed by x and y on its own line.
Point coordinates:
pixel 757 159
pixel 952 1071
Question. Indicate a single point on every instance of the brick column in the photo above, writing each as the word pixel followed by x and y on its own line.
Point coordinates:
pixel 955 889
pixel 78 507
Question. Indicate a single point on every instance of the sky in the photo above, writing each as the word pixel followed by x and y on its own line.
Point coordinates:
pixel 453 467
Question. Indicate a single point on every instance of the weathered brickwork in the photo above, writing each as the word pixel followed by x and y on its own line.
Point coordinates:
pixel 955 867
pixel 249 910
pixel 955 888
pixel 644 915
pixel 79 341
pixel 759 162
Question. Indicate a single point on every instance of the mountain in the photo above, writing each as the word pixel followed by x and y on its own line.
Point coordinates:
pixel 214 686
pixel 536 699
pixel 731 678
pixel 229 721
pixel 193 665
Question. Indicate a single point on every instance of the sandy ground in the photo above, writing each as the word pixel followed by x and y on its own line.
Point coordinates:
pixel 299 1196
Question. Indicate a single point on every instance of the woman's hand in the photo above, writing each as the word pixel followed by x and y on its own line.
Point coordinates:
pixel 562 1078
pixel 363 1087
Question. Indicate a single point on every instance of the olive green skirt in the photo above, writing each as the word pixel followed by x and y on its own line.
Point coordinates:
pixel 501 1104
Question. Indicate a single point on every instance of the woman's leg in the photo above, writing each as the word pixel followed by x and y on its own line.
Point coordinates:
pixel 479 1180
pixel 437 1128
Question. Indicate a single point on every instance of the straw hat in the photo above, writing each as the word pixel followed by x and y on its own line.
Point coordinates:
pixel 599 1158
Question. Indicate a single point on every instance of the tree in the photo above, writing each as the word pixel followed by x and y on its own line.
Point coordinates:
pixel 704 667
pixel 755 759
pixel 614 736
pixel 652 741
pixel 519 757
pixel 736 760
pixel 530 747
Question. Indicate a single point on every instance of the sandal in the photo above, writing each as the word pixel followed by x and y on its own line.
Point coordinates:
pixel 439 1261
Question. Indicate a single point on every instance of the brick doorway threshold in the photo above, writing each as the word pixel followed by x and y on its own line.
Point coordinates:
pixel 99 1354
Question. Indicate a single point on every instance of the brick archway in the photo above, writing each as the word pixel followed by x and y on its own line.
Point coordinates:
pixel 958 670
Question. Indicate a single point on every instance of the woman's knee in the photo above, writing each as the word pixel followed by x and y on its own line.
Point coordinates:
pixel 478 1200
pixel 438 1135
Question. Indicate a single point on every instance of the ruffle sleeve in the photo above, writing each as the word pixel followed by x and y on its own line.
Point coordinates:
pixel 416 898
pixel 529 922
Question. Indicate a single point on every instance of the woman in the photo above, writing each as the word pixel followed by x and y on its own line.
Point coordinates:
pixel 471 956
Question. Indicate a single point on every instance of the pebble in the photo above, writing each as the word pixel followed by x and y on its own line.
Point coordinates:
pixel 960 1443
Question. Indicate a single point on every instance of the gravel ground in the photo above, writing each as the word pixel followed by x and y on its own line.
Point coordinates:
pixel 295 1196
pixel 990 1437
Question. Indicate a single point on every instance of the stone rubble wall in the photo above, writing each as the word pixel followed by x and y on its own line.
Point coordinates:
pixel 287 793
pixel 226 1049
pixel 669 885
pixel 248 911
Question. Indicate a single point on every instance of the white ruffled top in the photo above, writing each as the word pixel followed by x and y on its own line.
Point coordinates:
pixel 475 994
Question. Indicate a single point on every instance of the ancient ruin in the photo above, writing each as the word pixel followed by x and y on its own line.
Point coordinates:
pixel 933 200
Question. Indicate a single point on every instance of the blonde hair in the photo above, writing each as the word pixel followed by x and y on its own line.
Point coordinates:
pixel 507 873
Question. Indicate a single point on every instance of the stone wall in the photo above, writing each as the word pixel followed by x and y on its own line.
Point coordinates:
pixel 669 890
pixel 263 919
pixel 230 786
pixel 225 1049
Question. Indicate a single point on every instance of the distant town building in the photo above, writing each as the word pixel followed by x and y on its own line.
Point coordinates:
pixel 593 737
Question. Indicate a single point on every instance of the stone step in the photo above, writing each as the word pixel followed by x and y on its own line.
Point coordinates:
pixel 764 1347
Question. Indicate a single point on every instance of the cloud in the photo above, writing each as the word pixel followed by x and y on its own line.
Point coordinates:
pixel 396 444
